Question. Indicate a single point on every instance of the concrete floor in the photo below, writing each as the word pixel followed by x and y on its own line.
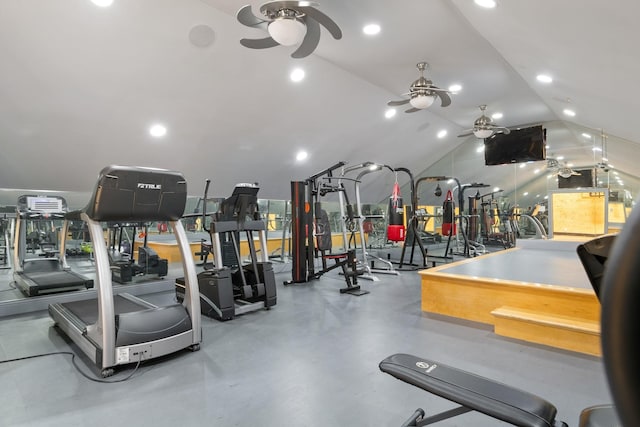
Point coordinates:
pixel 310 361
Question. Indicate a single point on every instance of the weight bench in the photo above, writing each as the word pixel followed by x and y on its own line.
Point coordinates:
pixel 471 392
pixel 348 263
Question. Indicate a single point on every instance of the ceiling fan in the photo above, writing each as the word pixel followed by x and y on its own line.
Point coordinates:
pixel 484 127
pixel 563 171
pixel 288 23
pixel 422 93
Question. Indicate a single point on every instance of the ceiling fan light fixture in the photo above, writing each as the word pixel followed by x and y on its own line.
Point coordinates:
pixel 287 31
pixel 482 133
pixel 422 101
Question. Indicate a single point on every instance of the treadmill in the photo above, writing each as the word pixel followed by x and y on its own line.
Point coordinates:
pixel 117 330
pixel 42 274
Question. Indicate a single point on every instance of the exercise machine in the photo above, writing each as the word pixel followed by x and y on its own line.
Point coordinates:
pixel 115 330
pixel 529 225
pixel 121 248
pixel 354 223
pixel 232 287
pixel 498 226
pixel 41 275
pixel 521 408
pixel 311 232
pixel 5 242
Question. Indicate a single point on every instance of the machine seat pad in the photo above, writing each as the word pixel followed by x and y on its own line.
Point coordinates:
pixel 480 394
pixel 336 256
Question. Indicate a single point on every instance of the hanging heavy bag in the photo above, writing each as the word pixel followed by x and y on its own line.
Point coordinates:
pixel 448 216
pixel 396 229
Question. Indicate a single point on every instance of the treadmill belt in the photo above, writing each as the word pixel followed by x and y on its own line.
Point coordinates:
pixel 57 279
pixel 87 310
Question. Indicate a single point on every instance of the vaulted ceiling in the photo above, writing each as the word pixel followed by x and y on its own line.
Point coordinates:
pixel 80 85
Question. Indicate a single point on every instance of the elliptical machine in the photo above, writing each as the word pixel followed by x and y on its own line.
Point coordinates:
pixel 231 287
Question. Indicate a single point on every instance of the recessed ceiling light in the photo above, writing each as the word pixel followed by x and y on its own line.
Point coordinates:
pixel 522 165
pixel 297 75
pixel 560 158
pixel 102 3
pixel 480 149
pixel 496 189
pixel 489 4
pixel 536 171
pixel 569 165
pixel 371 29
pixel 586 135
pixel 526 193
pixel 157 130
pixel 455 88
pixel 549 176
pixel 546 197
pixel 391 112
pixel 547 146
pixel 302 155
pixel 442 133
pixel 611 166
pixel 569 113
pixel 596 149
pixel 544 78
pixel 615 173
pixel 604 159
pixel 497 116
pixel 537 195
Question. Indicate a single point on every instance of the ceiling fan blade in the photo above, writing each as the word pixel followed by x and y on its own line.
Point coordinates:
pixel 466 133
pixel 397 103
pixel 437 89
pixel 412 110
pixel 500 129
pixel 323 20
pixel 246 17
pixel 259 43
pixel 445 99
pixel 310 41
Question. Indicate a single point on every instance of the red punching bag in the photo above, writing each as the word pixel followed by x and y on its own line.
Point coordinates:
pixel 448 216
pixel 395 229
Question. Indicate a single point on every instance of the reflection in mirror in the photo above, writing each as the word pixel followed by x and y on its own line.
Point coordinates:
pixel 607 161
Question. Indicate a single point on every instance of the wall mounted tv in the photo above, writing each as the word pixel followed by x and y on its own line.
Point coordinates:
pixel 584 180
pixel 522 145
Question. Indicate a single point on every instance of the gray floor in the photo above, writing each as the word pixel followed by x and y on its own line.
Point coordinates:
pixel 310 361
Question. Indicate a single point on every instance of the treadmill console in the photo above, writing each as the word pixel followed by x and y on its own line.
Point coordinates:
pixel 41 204
pixel 594 255
pixel 131 194
pixel 242 204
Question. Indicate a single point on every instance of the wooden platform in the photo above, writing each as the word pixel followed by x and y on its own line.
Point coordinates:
pixel 552 314
pixel 169 248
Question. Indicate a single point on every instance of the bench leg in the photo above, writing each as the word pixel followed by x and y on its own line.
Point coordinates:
pixel 418 419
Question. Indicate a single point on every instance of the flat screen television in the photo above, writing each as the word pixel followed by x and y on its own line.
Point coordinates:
pixel 583 180
pixel 522 145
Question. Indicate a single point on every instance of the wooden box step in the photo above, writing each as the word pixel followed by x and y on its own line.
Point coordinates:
pixel 555 330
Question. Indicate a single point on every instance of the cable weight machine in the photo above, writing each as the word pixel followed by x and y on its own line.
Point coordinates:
pixel 356 219
pixel 311 232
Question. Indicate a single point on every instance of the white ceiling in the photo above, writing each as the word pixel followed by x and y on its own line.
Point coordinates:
pixel 80 85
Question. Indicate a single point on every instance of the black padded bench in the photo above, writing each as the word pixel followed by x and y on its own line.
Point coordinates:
pixel 471 392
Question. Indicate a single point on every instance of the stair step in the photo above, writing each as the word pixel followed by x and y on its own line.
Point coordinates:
pixel 555 330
